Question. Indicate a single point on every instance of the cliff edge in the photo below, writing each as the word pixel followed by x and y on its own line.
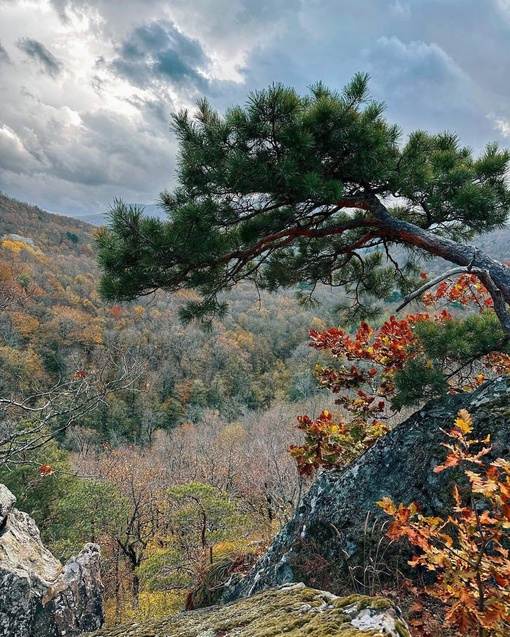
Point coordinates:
pixel 39 597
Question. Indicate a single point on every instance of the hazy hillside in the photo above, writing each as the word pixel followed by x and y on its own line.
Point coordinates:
pixel 100 218
pixel 49 231
pixel 258 353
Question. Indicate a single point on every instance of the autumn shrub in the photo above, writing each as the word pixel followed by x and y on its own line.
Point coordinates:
pixel 468 549
pixel 399 364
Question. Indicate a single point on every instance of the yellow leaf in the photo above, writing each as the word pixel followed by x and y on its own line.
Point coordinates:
pixel 387 505
pixel 464 422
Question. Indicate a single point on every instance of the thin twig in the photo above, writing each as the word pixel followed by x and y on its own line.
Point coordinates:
pixel 430 284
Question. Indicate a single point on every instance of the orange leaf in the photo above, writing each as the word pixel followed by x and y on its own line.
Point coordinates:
pixel 451 461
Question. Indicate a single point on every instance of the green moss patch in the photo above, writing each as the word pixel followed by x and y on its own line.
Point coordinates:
pixel 293 611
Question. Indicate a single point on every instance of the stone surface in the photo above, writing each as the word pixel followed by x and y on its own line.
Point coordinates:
pixel 38 596
pixel 292 610
pixel 7 502
pixel 336 540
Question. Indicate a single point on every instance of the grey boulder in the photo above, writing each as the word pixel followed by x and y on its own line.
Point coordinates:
pixel 38 596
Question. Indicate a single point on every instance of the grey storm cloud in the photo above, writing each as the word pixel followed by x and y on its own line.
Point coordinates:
pixel 60 7
pixel 38 52
pixel 426 88
pixel 159 51
pixel 155 111
pixel 411 66
pixel 75 140
pixel 4 56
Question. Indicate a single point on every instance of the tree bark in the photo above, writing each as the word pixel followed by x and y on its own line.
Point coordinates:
pixel 493 274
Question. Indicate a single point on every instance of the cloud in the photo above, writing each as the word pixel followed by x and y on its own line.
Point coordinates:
pixel 4 56
pixel 74 140
pixel 400 9
pixel 426 88
pixel 38 52
pixel 504 6
pixel 501 124
pixel 158 52
pixel 423 81
pixel 405 63
pixel 153 110
pixel 73 162
pixel 60 7
pixel 14 155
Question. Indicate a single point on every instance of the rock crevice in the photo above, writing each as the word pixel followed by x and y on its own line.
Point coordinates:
pixel 38 596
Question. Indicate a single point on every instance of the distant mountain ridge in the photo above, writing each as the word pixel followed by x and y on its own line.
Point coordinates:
pixel 17 217
pixel 49 231
pixel 101 218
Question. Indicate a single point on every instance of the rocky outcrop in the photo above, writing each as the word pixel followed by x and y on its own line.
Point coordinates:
pixel 38 596
pixel 336 540
pixel 292 610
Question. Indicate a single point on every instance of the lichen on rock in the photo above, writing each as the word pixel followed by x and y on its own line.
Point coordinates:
pixel 291 610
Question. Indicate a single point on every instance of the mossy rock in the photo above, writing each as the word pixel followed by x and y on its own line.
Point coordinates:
pixel 292 610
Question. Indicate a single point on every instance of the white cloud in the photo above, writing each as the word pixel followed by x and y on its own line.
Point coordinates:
pixel 15 156
pixel 82 122
pixel 504 6
pixel 501 124
pixel 401 9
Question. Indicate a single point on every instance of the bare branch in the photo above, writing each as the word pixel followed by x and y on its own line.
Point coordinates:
pixel 430 284
pixel 28 424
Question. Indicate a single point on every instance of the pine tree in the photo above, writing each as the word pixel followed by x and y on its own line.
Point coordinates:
pixel 320 188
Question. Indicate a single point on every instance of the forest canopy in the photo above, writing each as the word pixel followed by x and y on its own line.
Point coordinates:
pixel 313 189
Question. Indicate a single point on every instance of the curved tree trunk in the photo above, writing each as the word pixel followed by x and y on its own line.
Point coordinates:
pixel 492 273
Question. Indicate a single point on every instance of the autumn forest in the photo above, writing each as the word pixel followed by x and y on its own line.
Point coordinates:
pixel 175 429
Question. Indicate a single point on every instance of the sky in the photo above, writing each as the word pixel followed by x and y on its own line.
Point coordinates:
pixel 87 87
